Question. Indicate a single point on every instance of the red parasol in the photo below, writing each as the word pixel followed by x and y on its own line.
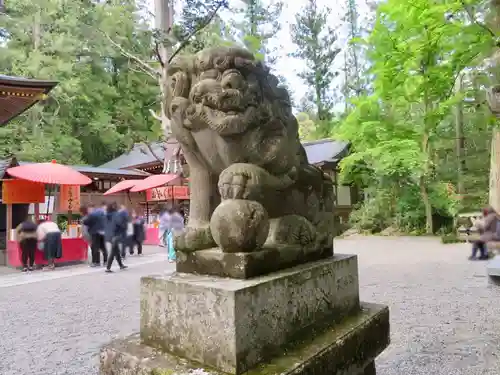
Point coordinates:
pixel 49 173
pixel 154 181
pixel 122 186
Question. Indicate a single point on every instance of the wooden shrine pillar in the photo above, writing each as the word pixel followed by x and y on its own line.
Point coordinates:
pixel 9 222
pixel 36 212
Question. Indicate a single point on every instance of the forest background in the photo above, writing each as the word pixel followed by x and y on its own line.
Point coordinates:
pixel 406 86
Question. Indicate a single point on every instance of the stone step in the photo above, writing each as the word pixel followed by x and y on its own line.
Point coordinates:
pixel 345 348
pixel 233 325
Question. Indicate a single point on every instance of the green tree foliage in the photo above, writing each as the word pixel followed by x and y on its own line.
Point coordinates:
pixel 196 13
pixel 416 49
pixel 99 53
pixel 258 26
pixel 100 105
pixel 307 126
pixel 352 59
pixel 317 46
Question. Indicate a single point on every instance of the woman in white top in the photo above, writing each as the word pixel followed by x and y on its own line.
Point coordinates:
pixel 49 235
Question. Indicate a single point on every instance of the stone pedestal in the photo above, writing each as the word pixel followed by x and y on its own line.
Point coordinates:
pixel 493 270
pixel 215 262
pixel 302 320
pixel 346 348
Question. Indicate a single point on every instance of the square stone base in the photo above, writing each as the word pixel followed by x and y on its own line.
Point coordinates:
pixel 493 267
pixel 345 348
pixel 233 325
pixel 246 265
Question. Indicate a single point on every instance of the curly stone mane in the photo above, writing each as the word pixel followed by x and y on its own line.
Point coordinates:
pixel 227 90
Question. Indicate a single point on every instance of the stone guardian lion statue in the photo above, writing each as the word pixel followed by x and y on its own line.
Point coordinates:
pixel 250 180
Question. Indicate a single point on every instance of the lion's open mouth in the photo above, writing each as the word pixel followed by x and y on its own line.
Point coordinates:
pixel 225 123
pixel 224 113
pixel 231 102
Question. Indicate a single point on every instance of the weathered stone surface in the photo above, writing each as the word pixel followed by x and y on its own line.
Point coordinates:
pixel 493 266
pixel 239 225
pixel 493 270
pixel 345 348
pixel 238 134
pixel 247 265
pixel 233 325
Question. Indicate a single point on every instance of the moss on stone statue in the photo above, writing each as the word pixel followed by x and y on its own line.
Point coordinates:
pixel 348 347
pixel 358 345
pixel 162 372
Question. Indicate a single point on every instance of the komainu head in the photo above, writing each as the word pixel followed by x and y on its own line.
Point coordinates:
pixel 227 90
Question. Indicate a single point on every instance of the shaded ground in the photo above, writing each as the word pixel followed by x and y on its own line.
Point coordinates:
pixel 445 318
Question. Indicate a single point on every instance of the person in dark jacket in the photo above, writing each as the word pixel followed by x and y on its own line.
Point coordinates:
pixel 95 221
pixel 487 232
pixel 127 235
pixel 116 229
pixel 27 237
pixel 139 233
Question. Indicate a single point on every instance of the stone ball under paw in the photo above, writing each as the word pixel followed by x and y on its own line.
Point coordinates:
pixel 239 226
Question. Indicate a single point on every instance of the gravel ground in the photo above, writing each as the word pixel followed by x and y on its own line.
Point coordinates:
pixel 56 327
pixel 445 317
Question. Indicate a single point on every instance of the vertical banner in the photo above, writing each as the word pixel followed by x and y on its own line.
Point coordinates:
pixel 69 198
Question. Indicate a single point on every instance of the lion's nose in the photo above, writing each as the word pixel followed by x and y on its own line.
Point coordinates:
pixel 232 82
pixel 228 85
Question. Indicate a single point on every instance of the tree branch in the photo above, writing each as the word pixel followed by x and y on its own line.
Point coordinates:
pixel 153 113
pixel 207 21
pixel 158 56
pixel 144 65
pixel 150 149
pixel 474 20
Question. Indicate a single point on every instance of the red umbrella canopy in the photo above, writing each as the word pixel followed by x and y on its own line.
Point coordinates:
pixel 155 181
pixel 49 173
pixel 122 186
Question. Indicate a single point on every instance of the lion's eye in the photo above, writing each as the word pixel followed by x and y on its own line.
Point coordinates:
pixel 210 74
pixel 232 79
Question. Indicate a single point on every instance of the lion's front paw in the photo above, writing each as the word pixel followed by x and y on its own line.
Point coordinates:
pixel 292 230
pixel 242 181
pixel 193 239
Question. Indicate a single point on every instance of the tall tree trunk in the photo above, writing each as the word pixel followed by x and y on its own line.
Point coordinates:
pixel 423 178
pixel 460 139
pixel 429 228
pixel 164 21
pixel 346 83
pixel 353 16
pixel 34 115
pixel 494 194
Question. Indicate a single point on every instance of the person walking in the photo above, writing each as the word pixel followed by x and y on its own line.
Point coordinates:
pixel 126 238
pixel 95 222
pixel 84 211
pixel 49 235
pixel 27 237
pixel 139 235
pixel 116 229
pixel 176 225
pixel 164 226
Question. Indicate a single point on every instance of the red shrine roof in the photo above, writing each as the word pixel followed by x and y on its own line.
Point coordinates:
pixel 18 94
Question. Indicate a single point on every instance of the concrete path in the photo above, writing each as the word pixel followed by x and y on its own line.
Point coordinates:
pixel 445 318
